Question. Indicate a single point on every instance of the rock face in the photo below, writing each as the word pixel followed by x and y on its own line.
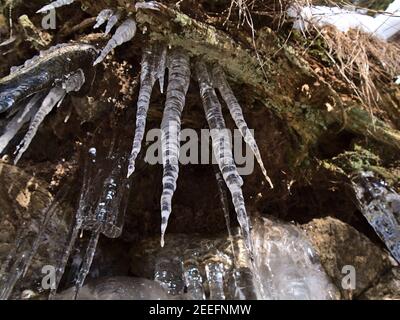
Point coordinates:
pixel 388 287
pixel 23 200
pixel 340 246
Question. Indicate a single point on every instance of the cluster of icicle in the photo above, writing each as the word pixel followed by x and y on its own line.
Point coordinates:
pixel 155 60
pixel 35 111
pixel 197 268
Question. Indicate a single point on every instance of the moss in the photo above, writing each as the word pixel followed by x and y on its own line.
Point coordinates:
pixel 361 159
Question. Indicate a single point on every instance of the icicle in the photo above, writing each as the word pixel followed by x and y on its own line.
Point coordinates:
pixel 380 205
pixel 125 32
pixel 153 67
pixel 55 4
pixel 192 276
pixel 178 84
pixel 56 95
pixel 18 121
pixel 215 278
pixel 112 21
pixel 152 5
pixel 222 149
pixel 237 114
pixel 87 262
pixel 102 17
pixel 77 224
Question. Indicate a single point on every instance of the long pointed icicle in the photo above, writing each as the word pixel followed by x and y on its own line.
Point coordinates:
pixel 87 262
pixel 18 121
pixel 222 149
pixel 54 5
pixel 125 32
pixel 178 85
pixel 56 95
pixel 237 114
pixel 153 67
pixel 102 17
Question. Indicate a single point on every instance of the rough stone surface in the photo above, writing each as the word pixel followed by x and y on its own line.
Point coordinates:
pixel 339 245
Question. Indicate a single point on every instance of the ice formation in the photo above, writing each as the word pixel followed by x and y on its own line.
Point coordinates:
pixel 125 32
pixel 178 84
pixel 43 71
pixel 28 239
pixel 117 288
pixel 101 206
pixel 287 264
pixel 112 21
pixel 196 267
pixel 152 5
pixel 380 205
pixel 383 25
pixel 222 148
pixel 153 68
pixel 55 4
pixel 23 116
pixel 55 97
pixel 103 17
pixel 227 94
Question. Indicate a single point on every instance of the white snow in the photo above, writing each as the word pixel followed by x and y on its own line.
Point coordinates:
pixel 383 25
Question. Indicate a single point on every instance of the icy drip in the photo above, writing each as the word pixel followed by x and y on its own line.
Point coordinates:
pixel 55 97
pixel 380 205
pixel 153 68
pixel 102 203
pixel 125 32
pixel 215 277
pixel 168 272
pixel 192 276
pixel 222 149
pixel 87 261
pixel 55 4
pixel 178 84
pixel 286 264
pixel 112 21
pixel 18 121
pixel 151 5
pixel 103 17
pixel 236 112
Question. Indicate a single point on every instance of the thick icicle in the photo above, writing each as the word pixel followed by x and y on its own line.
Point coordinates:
pixel 125 32
pixel 83 204
pixel 112 21
pixel 222 149
pixel 102 17
pixel 54 5
pixel 380 205
pixel 43 71
pixel 215 277
pixel 220 82
pixel 178 84
pixel 18 121
pixel 192 276
pixel 153 68
pixel 56 95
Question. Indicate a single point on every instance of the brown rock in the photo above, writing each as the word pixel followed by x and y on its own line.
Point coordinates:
pixel 340 245
pixel 388 288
